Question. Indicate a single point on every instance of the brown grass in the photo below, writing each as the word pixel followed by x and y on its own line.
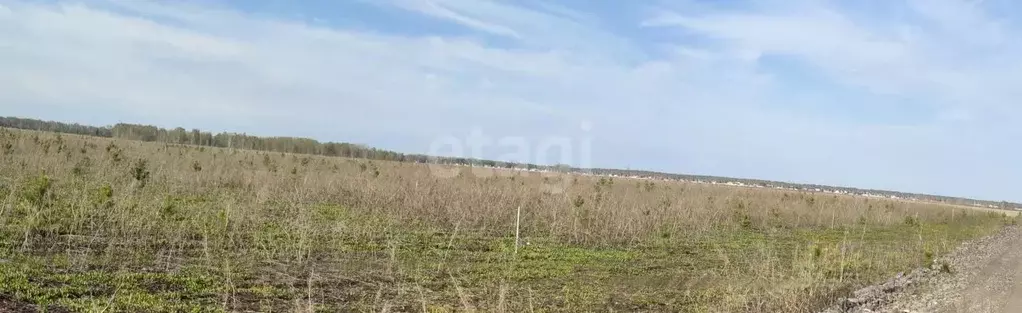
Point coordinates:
pixel 242 230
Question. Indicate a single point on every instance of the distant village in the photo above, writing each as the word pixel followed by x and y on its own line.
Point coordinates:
pixel 752 183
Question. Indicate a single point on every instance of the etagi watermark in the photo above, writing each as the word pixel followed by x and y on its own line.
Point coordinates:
pixel 574 151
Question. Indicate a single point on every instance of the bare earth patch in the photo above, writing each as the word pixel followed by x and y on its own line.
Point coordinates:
pixel 985 276
pixel 9 305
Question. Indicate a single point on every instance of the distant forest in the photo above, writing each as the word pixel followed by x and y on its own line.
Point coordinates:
pixel 242 141
pixel 310 146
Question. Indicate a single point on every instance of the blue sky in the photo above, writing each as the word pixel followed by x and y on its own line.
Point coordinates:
pixel 909 95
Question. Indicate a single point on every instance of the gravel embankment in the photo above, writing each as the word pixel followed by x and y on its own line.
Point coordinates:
pixel 985 276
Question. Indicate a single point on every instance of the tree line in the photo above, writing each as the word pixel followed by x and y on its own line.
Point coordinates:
pixel 57 127
pixel 197 137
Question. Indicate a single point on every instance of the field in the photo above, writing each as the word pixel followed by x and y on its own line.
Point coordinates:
pixel 98 224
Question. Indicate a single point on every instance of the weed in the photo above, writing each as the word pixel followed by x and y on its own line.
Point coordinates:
pixel 140 172
pixel 649 186
pixel 242 238
pixel 579 201
pixel 115 156
pixel 82 167
pixel 945 268
pixel 102 198
pixel 269 163
pixel 37 191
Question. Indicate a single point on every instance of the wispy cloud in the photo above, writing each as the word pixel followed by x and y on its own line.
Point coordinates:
pixel 440 9
pixel 940 51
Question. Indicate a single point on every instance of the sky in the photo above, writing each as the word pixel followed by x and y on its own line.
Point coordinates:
pixel 907 95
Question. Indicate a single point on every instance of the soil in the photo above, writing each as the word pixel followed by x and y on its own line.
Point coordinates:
pixel 981 276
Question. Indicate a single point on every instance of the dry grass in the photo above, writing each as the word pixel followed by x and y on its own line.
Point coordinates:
pixel 94 223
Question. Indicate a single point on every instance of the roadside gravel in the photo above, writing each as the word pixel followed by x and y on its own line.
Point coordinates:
pixel 984 275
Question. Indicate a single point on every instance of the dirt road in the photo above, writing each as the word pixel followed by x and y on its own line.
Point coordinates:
pixel 986 276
